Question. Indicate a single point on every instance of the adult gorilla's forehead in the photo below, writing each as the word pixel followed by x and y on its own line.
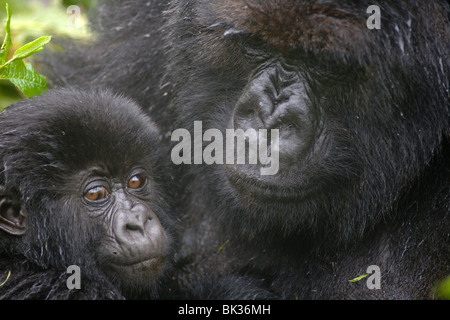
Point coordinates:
pixel 336 29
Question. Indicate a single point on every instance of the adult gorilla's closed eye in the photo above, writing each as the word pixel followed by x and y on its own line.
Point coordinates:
pixel 364 128
pixel 81 183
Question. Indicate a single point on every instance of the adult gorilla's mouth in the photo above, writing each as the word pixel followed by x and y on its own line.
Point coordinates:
pixel 269 188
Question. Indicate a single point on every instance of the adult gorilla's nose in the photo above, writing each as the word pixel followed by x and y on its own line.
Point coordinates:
pixel 276 98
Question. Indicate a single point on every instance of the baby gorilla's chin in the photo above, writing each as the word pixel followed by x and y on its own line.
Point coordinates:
pixel 137 276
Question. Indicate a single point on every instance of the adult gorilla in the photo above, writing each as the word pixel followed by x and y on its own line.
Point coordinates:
pixel 364 128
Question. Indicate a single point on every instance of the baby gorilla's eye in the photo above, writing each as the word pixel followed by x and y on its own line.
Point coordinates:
pixel 97 193
pixel 137 181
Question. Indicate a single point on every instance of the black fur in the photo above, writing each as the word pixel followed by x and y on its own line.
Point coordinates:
pixel 128 56
pixel 375 189
pixel 45 144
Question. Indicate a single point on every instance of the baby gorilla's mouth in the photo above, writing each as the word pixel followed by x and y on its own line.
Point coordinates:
pixel 142 272
pixel 145 262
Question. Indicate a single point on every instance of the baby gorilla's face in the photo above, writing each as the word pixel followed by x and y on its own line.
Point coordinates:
pixel 84 184
pixel 134 248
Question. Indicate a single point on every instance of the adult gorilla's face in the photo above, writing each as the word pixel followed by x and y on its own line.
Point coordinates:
pixel 355 119
pixel 313 153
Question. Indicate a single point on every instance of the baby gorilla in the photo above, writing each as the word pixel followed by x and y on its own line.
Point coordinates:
pixel 82 183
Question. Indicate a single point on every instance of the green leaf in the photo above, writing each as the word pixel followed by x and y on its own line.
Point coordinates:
pixel 7 277
pixel 22 75
pixel 7 42
pixel 223 246
pixel 359 278
pixel 25 78
pixel 31 48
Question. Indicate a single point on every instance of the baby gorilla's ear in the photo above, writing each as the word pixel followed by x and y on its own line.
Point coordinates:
pixel 13 219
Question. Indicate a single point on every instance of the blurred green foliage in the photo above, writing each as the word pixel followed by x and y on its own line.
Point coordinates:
pixel 442 289
pixel 35 18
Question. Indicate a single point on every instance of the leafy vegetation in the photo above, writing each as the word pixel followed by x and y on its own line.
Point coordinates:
pixel 33 19
pixel 22 74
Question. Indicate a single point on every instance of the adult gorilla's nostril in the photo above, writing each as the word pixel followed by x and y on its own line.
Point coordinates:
pixel 134 227
pixel 268 105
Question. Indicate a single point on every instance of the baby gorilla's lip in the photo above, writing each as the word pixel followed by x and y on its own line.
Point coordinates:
pixel 138 268
pixel 144 262
pixel 140 272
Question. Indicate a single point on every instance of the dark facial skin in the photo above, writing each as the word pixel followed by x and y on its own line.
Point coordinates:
pixel 134 244
pixel 276 98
